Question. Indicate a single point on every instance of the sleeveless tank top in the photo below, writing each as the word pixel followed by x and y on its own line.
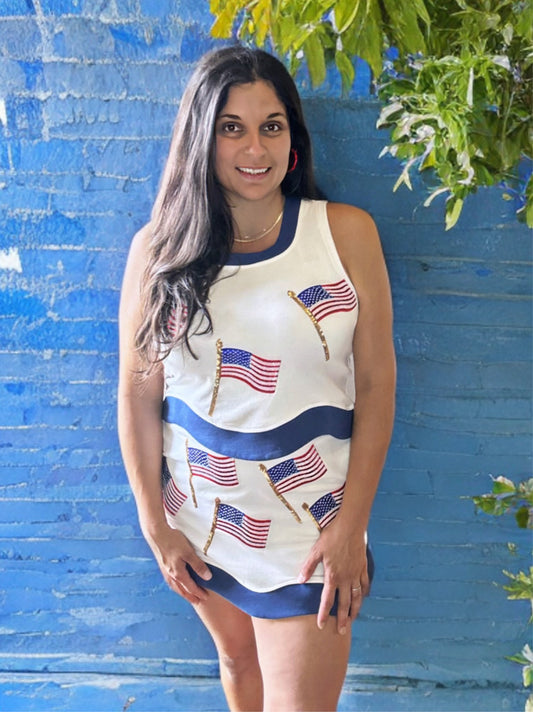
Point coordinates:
pixel 257 427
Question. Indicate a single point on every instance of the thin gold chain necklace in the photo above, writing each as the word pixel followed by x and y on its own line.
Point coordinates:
pixel 265 231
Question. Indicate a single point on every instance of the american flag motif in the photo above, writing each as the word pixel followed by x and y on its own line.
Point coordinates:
pixel 175 324
pixel 259 373
pixel 250 531
pixel 173 498
pixel 325 299
pixel 325 509
pixel 296 471
pixel 215 468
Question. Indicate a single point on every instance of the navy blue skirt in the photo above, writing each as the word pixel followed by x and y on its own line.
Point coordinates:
pixel 298 599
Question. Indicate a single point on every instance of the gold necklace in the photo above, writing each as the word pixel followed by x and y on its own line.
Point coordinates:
pixel 253 238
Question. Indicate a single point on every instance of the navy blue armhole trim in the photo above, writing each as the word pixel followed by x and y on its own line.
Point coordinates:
pixel 285 238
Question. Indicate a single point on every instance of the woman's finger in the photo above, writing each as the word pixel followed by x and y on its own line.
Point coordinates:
pixel 344 602
pixel 357 595
pixel 309 566
pixel 326 604
pixel 200 567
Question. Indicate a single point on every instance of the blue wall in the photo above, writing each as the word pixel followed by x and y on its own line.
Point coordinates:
pixel 88 93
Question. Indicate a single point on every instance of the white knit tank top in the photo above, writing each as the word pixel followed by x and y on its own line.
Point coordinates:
pixel 257 428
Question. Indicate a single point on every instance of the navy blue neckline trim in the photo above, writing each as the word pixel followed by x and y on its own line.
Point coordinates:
pixel 285 238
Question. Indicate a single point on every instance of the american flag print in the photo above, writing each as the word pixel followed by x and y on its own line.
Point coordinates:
pixel 250 531
pixel 325 509
pixel 173 497
pixel 325 299
pixel 215 468
pixel 297 471
pixel 259 373
pixel 176 323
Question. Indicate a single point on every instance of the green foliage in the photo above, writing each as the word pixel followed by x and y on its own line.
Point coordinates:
pixel 464 108
pixel 525 658
pixel 521 586
pixel 458 97
pixel 325 31
pixel 507 497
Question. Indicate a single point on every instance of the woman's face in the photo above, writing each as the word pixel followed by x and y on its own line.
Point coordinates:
pixel 252 143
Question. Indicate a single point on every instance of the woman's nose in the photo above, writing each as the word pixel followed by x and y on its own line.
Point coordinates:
pixel 255 143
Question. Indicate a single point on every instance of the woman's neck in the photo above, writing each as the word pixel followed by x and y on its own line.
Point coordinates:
pixel 257 224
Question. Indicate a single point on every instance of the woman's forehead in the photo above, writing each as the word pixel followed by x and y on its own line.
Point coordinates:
pixel 257 97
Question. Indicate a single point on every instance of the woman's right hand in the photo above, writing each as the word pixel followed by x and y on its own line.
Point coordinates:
pixel 173 552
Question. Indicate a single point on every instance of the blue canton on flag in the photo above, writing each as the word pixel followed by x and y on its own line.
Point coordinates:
pixel 325 509
pixel 259 373
pixel 173 497
pixel 325 299
pixel 216 468
pixel 250 531
pixel 297 471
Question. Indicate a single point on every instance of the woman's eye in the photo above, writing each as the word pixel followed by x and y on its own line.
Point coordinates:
pixel 230 128
pixel 272 128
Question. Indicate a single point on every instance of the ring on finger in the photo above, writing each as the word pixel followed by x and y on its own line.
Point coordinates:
pixel 356 589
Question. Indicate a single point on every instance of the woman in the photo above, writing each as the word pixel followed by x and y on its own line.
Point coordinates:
pixel 237 322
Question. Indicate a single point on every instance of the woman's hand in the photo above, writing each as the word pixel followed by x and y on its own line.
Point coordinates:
pixel 173 552
pixel 343 556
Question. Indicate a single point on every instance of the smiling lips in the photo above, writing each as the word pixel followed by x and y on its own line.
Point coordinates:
pixel 253 171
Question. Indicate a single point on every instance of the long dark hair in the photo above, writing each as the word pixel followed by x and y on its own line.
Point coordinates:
pixel 191 226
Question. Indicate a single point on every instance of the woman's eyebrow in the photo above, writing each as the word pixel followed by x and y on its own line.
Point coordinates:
pixel 236 117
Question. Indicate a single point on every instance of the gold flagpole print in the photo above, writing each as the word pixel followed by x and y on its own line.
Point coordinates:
pixel 193 493
pixel 217 377
pixel 279 495
pixel 213 526
pixel 317 326
pixel 308 510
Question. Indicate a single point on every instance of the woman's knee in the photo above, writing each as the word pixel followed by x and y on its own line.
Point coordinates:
pixel 238 657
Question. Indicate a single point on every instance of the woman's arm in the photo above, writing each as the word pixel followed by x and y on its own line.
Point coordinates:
pixel 341 546
pixel 141 438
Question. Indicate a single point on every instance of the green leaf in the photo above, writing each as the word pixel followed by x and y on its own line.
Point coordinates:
pixel 521 586
pixel 522 517
pixel 453 210
pixel 489 504
pixel 261 12
pixel 502 485
pixel 529 203
pixel 346 70
pixel 314 55
pixel 226 14
pixel 345 12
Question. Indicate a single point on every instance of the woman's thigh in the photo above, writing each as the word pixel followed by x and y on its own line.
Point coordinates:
pixel 303 667
pixel 231 629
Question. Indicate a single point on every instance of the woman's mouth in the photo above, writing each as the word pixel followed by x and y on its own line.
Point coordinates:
pixel 253 171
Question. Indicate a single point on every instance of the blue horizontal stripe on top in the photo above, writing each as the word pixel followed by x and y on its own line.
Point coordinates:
pixel 265 445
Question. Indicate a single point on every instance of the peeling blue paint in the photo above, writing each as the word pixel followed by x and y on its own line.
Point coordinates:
pixel 90 91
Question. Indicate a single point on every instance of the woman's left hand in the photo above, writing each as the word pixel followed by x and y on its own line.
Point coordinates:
pixel 345 570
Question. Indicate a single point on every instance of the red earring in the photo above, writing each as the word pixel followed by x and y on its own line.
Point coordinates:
pixel 294 155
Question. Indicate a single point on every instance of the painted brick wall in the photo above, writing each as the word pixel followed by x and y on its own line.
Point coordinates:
pixel 88 93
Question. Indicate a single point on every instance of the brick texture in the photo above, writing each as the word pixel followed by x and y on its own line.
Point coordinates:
pixel 88 94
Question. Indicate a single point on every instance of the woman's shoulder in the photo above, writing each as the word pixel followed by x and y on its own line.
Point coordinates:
pixel 137 258
pixel 356 238
pixel 141 240
pixel 347 218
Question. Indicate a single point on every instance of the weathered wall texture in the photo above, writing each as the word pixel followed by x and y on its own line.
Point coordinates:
pixel 88 93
